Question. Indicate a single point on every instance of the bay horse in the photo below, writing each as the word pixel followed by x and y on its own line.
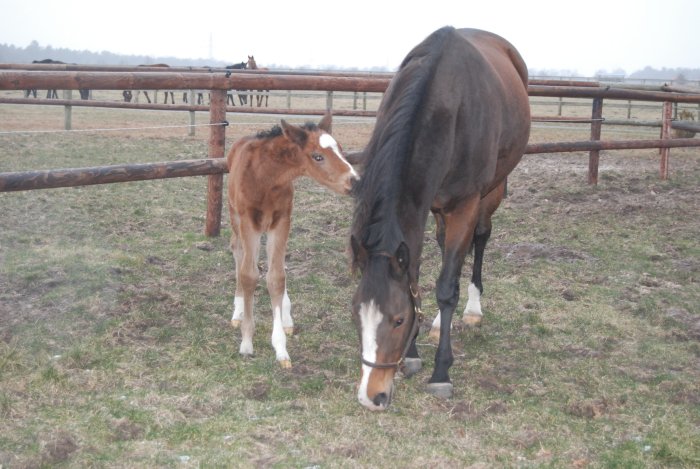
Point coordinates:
pixel 453 123
pixel 260 186
pixel 252 65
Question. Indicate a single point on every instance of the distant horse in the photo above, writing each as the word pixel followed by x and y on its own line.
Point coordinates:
pixel 242 97
pixel 261 94
pixel 129 95
pixel 452 125
pixel 53 94
pixel 262 170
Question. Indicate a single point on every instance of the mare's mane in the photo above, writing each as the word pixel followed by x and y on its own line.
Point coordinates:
pixel 389 150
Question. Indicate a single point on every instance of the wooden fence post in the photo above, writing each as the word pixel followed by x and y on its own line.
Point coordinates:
pixel 67 110
pixel 217 142
pixel 596 125
pixel 192 113
pixel 665 134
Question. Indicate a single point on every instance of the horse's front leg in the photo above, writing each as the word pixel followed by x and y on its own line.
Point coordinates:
pixel 458 231
pixel 282 323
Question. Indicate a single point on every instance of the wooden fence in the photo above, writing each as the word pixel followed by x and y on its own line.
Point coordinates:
pixel 219 82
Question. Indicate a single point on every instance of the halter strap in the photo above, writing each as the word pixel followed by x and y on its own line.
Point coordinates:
pixel 417 320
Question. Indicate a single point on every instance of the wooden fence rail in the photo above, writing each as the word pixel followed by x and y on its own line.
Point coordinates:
pixel 219 83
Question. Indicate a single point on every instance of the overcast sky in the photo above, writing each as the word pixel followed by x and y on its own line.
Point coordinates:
pixel 579 36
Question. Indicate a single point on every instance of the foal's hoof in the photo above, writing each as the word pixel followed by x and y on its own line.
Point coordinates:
pixel 289 331
pixel 411 366
pixel 286 364
pixel 441 390
pixel 472 320
pixel 434 333
pixel 235 323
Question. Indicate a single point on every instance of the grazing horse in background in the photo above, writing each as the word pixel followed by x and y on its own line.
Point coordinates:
pixel 261 93
pixel 53 94
pixel 242 97
pixel 452 125
pixel 128 95
pixel 262 170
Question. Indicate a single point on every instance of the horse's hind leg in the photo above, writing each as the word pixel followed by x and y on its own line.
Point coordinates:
pixel 247 275
pixel 277 287
pixel 472 315
pixel 460 224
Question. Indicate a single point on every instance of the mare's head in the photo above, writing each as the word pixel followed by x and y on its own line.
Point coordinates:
pixel 320 156
pixel 386 312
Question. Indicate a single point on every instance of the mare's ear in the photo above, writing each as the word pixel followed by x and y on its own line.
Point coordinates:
pixel 294 134
pixel 401 257
pixel 359 255
pixel 326 122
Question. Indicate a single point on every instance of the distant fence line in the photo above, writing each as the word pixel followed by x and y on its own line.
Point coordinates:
pixel 219 83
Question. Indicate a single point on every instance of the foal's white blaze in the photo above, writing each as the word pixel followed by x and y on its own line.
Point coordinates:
pixel 327 141
pixel 370 318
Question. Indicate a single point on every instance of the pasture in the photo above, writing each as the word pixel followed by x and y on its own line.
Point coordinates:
pixel 116 349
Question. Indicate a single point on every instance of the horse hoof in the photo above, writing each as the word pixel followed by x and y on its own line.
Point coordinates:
pixel 235 323
pixel 286 364
pixel 472 320
pixel 289 331
pixel 434 333
pixel 412 366
pixel 441 390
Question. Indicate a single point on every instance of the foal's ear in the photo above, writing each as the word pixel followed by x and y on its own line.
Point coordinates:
pixel 294 134
pixel 326 122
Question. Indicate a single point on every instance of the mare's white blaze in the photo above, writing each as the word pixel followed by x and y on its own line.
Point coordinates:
pixel 279 339
pixel 473 307
pixel 237 308
pixel 370 318
pixel 327 141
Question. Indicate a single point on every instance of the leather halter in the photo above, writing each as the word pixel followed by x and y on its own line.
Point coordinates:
pixel 417 320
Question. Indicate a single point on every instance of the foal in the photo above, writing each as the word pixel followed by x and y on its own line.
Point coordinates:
pixel 262 170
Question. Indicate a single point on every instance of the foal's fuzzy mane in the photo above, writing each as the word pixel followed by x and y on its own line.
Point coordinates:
pixel 375 223
pixel 276 131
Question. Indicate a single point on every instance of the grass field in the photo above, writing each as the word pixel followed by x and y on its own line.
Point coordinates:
pixel 116 350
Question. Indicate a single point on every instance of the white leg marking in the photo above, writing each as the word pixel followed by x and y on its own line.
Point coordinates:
pixel 370 318
pixel 473 307
pixel 436 322
pixel 472 315
pixel 279 339
pixel 287 321
pixel 237 309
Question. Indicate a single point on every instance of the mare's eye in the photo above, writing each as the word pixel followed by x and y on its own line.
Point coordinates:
pixel 398 322
pixel 317 157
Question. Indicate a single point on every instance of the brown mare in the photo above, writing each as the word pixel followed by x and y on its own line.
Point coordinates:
pixel 453 123
pixel 253 66
pixel 262 170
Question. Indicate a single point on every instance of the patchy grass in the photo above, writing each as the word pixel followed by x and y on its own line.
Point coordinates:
pixel 115 348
